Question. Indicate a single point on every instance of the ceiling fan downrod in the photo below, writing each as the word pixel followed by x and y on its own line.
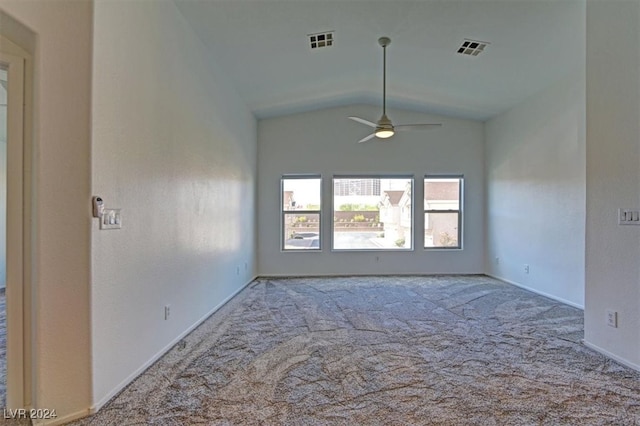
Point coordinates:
pixel 384 128
pixel 384 42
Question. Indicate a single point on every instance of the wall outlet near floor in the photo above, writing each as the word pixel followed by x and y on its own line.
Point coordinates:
pixel 497 260
pixel 612 318
pixel 377 260
pixel 167 312
pixel 526 269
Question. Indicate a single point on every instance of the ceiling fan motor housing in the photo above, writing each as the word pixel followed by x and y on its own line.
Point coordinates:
pixel 384 128
pixel 384 123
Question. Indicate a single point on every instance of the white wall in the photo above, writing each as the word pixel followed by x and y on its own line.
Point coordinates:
pixel 613 177
pixel 535 174
pixel 60 189
pixel 175 148
pixel 325 142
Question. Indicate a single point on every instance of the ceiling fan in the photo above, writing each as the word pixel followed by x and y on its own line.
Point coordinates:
pixel 384 128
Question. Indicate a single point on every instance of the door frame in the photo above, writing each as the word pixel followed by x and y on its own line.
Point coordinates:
pixel 15 289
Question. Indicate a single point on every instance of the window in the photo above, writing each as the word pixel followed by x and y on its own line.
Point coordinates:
pixel 300 196
pixel 372 213
pixel 442 214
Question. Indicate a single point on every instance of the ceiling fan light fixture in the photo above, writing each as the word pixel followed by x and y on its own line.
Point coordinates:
pixel 384 133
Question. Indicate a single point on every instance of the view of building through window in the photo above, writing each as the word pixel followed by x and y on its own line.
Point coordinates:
pixel 442 220
pixel 352 187
pixel 301 200
pixel 372 213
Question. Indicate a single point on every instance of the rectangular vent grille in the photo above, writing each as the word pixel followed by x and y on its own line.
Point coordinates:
pixel 319 40
pixel 472 47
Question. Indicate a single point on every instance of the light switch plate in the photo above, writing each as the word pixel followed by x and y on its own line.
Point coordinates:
pixel 111 219
pixel 628 217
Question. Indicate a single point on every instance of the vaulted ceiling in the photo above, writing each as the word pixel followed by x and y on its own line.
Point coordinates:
pixel 264 48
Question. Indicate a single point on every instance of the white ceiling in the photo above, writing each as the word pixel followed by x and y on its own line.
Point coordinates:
pixel 264 48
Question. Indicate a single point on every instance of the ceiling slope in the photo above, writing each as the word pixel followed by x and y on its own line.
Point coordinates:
pixel 263 46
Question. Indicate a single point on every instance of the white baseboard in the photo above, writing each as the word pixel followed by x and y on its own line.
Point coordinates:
pixel 612 356
pixel 390 274
pixel 99 404
pixel 541 293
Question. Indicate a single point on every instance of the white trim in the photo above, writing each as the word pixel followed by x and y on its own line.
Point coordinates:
pixel 608 354
pixel 459 210
pixel 390 274
pixel 15 372
pixel 98 405
pixel 284 212
pixel 533 290
pixel 380 176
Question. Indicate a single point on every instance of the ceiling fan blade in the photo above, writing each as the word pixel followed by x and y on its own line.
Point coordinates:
pixel 363 121
pixel 403 127
pixel 371 136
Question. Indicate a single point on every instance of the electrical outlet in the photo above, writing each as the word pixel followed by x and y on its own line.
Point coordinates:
pixel 237 270
pixel 497 260
pixel 167 312
pixel 526 269
pixel 377 259
pixel 612 318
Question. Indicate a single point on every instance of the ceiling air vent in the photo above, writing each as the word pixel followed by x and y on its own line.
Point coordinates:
pixel 472 47
pixel 319 40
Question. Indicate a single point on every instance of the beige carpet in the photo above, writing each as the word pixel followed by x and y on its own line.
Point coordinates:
pixel 449 350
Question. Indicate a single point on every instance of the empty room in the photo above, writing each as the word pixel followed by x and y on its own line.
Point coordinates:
pixel 320 212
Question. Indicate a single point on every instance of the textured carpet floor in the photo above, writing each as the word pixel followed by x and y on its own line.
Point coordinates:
pixel 446 350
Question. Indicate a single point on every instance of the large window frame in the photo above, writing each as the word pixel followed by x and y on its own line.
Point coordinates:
pixel 300 213
pixel 444 211
pixel 391 246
